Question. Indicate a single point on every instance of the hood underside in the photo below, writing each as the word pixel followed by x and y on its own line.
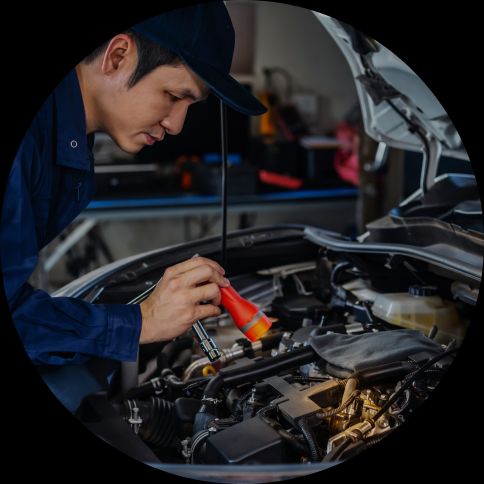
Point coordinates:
pixel 397 106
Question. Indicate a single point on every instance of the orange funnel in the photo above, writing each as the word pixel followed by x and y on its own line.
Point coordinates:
pixel 246 315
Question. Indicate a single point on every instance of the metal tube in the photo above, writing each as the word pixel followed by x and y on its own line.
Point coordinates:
pixel 77 234
pixel 206 343
pixel 227 355
pixel 223 132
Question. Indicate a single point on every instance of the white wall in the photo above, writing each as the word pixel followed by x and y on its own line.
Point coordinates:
pixel 291 37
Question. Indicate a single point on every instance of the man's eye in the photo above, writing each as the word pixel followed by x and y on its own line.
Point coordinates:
pixel 174 98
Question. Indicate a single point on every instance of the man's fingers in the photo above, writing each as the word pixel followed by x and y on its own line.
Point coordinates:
pixel 190 264
pixel 207 292
pixel 201 274
pixel 175 304
pixel 207 311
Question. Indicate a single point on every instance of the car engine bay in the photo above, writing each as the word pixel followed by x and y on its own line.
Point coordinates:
pixel 358 341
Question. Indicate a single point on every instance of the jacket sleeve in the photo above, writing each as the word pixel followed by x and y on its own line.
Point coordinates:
pixel 54 330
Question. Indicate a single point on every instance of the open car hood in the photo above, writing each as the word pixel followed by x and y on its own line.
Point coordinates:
pixel 397 107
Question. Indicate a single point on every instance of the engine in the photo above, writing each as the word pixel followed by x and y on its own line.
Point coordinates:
pixel 344 364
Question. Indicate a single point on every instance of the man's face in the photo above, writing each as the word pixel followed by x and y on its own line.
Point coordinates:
pixel 155 106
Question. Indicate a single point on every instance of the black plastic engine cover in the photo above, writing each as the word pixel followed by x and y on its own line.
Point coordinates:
pixel 293 309
pixel 249 442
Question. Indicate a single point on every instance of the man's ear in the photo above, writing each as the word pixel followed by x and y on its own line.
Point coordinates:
pixel 121 53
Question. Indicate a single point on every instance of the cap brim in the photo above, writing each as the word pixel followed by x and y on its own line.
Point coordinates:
pixel 225 87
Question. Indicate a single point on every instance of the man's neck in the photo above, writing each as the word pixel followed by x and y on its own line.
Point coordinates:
pixel 87 99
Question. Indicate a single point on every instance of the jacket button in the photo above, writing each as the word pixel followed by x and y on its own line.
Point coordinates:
pixel 73 143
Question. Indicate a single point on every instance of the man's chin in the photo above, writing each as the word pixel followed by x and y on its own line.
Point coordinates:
pixel 133 150
pixel 130 148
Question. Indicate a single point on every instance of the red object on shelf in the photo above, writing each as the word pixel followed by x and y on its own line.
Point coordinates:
pixel 246 315
pixel 346 162
pixel 279 180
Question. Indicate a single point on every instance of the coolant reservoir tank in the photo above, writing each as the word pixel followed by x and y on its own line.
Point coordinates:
pixel 421 308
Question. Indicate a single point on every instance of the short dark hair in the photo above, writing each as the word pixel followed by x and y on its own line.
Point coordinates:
pixel 150 56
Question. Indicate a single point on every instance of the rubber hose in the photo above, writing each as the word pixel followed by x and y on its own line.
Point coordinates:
pixel 170 350
pixel 314 452
pixel 270 366
pixel 197 441
pixel 146 389
pixel 158 427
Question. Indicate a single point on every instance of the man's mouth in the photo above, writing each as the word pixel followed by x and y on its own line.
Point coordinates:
pixel 149 139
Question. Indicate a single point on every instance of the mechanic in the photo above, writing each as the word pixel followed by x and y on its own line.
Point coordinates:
pixel 137 88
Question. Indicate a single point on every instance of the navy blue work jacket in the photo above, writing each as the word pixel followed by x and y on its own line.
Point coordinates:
pixel 51 181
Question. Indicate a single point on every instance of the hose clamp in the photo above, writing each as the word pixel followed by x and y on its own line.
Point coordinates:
pixel 134 419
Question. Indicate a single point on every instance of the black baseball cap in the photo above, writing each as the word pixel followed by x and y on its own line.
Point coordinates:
pixel 203 37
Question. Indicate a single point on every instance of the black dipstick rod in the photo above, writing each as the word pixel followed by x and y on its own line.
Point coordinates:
pixel 224 143
pixel 206 343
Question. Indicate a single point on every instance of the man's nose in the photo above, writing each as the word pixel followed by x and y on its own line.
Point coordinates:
pixel 173 122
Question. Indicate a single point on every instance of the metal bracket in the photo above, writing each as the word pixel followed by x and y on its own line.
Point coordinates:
pixel 380 159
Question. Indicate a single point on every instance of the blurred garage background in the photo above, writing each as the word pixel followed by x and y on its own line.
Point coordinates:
pixel 306 161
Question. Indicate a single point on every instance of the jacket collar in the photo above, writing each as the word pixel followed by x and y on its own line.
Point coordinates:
pixel 74 147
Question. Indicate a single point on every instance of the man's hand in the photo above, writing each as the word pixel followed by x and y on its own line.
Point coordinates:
pixel 174 305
